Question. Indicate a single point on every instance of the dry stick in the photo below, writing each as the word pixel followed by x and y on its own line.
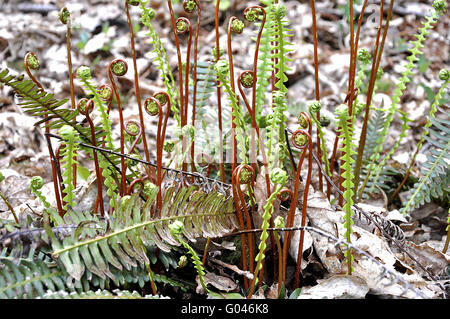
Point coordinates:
pixel 375 65
pixel 316 80
pixel 183 120
pixel 219 100
pixel 351 78
pixel 136 83
pixel 47 130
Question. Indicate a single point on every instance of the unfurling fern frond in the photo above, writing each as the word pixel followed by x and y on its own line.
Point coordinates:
pixel 131 229
pixel 401 86
pixel 348 151
pixel 68 155
pixel 161 61
pixel 435 179
pixel 37 102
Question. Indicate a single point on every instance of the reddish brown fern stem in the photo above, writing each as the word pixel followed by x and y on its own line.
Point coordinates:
pixel 136 134
pixel 194 76
pixel 159 146
pixel 219 100
pixel 233 89
pixel 316 82
pixel 136 83
pixel 262 150
pixel 123 181
pixel 373 75
pixel 180 65
pixel 187 28
pixel 304 208
pixel 291 213
pixel 234 148
pixel 88 108
pixel 163 102
pixel 65 19
pixel 251 111
pixel 47 130
pixel 238 180
pixel 284 195
pixel 255 79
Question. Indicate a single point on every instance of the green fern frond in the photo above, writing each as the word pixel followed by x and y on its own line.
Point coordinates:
pixel 28 278
pixel 348 151
pixel 160 60
pixel 207 215
pixel 435 179
pixel 223 73
pixel 401 86
pixel 38 103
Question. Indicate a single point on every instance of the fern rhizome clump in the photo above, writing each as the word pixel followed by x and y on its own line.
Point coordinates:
pixel 213 159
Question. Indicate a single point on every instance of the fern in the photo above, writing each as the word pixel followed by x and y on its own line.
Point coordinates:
pixel 161 60
pixel 68 155
pixel 28 278
pixel 265 66
pixel 38 103
pixel 401 86
pixel 435 171
pixel 223 72
pixel 176 228
pixel 348 151
pixel 203 214
pixel 107 126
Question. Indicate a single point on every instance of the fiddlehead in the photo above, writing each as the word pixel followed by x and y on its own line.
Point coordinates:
pixel 438 9
pixel 85 107
pixel 279 177
pixel 100 95
pixel 119 67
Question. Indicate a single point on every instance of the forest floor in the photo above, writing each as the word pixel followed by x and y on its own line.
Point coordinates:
pixel 100 34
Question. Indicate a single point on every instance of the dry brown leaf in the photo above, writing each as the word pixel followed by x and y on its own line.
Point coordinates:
pixel 336 287
pixel 219 282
